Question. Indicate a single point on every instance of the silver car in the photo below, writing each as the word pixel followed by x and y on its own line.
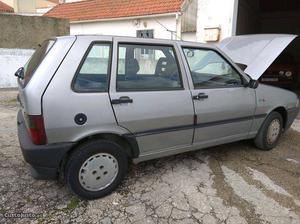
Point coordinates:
pixel 91 104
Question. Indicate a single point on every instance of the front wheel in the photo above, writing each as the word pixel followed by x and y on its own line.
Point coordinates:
pixel 96 168
pixel 270 132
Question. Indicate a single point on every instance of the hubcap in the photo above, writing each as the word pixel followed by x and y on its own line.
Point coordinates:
pixel 273 131
pixel 98 172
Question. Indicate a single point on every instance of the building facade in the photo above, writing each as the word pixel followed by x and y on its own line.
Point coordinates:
pixel 167 19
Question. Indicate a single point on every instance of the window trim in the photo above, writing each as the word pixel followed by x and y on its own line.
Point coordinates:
pixel 110 44
pixel 225 59
pixel 150 90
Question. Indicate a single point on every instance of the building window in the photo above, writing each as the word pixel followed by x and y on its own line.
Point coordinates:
pixel 146 53
pixel 145 33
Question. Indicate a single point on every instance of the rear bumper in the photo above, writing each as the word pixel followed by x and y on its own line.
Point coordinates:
pixel 291 116
pixel 44 159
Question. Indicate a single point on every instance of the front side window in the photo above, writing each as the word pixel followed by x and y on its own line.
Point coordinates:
pixel 210 70
pixel 147 68
pixel 94 72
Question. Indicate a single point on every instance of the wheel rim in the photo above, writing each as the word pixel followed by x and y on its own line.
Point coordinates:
pixel 98 172
pixel 273 131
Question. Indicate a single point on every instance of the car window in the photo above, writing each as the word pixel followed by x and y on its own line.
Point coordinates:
pixel 210 70
pixel 94 71
pixel 36 59
pixel 147 68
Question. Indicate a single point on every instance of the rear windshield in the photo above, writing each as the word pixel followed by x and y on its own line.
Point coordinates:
pixel 36 60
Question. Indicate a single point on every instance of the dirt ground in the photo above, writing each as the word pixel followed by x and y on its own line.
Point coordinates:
pixel 233 183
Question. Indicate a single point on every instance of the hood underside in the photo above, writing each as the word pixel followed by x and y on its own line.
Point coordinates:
pixel 257 52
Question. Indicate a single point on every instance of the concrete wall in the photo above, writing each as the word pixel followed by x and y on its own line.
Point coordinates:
pixel 129 27
pixel 26 32
pixel 19 35
pixel 10 61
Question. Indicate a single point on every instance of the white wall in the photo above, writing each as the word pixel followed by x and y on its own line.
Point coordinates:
pixel 215 13
pixel 190 36
pixel 42 11
pixel 10 61
pixel 128 27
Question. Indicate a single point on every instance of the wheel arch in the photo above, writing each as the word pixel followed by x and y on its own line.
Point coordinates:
pixel 128 142
pixel 283 112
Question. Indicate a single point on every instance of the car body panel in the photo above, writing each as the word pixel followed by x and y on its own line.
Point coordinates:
pixel 59 114
pixel 31 95
pixel 219 116
pixel 257 52
pixel 152 111
pixel 162 122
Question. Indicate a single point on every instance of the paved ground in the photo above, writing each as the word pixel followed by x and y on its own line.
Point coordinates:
pixel 234 183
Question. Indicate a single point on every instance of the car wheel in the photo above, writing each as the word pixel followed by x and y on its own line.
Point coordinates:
pixel 270 132
pixel 96 168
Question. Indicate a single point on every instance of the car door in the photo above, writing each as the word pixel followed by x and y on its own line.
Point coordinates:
pixel 150 95
pixel 224 108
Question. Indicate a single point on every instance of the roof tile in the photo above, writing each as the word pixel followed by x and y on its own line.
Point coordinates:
pixel 105 9
pixel 5 8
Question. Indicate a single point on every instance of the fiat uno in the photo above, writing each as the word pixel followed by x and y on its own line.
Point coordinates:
pixel 92 104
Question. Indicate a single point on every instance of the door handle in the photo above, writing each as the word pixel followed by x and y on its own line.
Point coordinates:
pixel 200 96
pixel 122 99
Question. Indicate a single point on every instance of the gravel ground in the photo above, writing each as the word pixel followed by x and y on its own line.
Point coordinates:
pixel 233 183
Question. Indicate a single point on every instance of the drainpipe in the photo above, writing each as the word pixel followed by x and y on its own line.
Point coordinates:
pixel 234 17
pixel 178 27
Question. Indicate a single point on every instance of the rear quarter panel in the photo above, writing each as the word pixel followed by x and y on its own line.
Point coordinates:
pixel 31 95
pixel 61 103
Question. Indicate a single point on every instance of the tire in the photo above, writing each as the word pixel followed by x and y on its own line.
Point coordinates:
pixel 96 168
pixel 264 140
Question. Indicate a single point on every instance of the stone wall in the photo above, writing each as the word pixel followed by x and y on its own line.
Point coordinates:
pixel 26 32
pixel 19 35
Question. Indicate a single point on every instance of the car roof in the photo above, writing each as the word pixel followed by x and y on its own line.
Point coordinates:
pixel 142 40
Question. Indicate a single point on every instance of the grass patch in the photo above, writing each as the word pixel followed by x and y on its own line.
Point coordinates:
pixel 73 204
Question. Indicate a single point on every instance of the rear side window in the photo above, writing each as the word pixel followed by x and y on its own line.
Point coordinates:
pixel 93 73
pixel 36 59
pixel 147 68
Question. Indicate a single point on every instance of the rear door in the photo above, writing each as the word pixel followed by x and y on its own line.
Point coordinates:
pixel 150 94
pixel 223 106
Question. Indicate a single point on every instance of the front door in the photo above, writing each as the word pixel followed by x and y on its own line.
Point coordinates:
pixel 150 95
pixel 223 106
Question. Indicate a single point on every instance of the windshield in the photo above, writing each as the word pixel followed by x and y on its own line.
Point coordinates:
pixel 36 60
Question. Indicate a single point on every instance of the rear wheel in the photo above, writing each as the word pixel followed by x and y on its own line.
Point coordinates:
pixel 96 168
pixel 270 132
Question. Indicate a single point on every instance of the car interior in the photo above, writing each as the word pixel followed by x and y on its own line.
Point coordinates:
pixel 165 76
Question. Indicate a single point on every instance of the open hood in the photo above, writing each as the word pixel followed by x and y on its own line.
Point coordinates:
pixel 257 52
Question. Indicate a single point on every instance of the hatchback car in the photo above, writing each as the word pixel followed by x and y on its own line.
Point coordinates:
pixel 91 104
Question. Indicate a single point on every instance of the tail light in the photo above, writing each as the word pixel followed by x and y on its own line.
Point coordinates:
pixel 36 129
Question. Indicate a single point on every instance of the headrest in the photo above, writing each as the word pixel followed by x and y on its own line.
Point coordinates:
pixel 132 67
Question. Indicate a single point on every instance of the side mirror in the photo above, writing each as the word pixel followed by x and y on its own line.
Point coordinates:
pixel 253 84
pixel 190 54
pixel 20 73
